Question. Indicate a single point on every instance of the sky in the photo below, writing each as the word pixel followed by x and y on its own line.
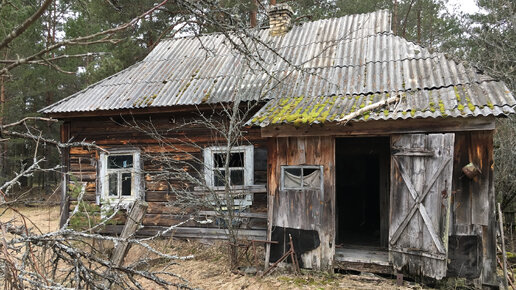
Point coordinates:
pixel 465 6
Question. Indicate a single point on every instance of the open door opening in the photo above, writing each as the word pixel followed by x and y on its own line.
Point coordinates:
pixel 362 192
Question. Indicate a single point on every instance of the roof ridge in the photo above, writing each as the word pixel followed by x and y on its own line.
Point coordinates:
pixel 258 29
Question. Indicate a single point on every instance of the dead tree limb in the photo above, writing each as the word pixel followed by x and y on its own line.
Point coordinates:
pixel 367 108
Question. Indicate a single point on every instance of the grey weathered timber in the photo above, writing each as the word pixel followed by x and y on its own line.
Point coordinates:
pixel 420 198
pixel 504 255
pixel 131 226
pixel 309 210
pixel 383 128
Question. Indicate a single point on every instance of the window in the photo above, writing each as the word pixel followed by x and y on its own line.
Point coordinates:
pixel 240 166
pixel 301 177
pixel 120 176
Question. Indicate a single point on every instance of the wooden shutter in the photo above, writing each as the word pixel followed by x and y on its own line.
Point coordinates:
pixel 421 179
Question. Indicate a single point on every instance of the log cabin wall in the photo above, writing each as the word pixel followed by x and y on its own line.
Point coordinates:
pixel 472 242
pixel 307 215
pixel 109 133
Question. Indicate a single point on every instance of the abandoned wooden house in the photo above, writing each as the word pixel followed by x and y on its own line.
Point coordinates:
pixel 384 191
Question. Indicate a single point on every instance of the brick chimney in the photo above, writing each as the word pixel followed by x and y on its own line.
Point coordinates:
pixel 280 16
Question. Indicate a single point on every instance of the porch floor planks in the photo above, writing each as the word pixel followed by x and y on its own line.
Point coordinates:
pixel 364 255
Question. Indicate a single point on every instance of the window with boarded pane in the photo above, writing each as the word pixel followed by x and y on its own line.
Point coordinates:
pixel 236 166
pixel 301 177
pixel 120 175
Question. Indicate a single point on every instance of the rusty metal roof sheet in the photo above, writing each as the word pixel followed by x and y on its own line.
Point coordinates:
pixel 355 55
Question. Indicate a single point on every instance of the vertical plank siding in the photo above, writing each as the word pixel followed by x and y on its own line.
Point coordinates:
pixel 421 184
pixel 308 211
pixel 473 215
pixel 159 194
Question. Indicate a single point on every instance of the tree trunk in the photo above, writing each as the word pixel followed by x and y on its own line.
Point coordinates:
pixel 404 28
pixel 254 11
pixel 395 18
pixel 419 22
pixel 3 146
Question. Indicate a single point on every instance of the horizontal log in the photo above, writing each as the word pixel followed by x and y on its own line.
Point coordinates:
pixel 160 196
pixel 239 214
pixel 163 208
pixel 156 185
pixel 261 188
pixel 188 232
pixel 83 176
pixel 81 151
pixel 167 220
pixel 82 167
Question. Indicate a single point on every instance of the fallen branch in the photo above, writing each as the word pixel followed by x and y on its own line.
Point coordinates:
pixel 367 108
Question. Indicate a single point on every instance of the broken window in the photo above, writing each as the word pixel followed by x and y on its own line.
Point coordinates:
pixel 120 175
pixel 301 177
pixel 239 170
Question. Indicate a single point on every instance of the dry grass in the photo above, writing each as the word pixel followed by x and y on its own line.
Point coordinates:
pixel 45 218
pixel 209 269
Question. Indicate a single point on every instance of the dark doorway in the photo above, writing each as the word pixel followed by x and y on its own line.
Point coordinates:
pixel 362 191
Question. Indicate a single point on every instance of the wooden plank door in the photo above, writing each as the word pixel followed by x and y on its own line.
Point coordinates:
pixel 421 180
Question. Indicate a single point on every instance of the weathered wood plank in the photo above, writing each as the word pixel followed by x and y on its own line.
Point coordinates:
pixel 163 196
pixel 374 128
pixel 187 232
pixel 133 222
pixel 418 242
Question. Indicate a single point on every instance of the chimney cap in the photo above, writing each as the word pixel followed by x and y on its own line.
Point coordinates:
pixel 281 7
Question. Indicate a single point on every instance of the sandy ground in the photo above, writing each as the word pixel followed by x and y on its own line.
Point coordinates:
pixel 44 218
pixel 209 267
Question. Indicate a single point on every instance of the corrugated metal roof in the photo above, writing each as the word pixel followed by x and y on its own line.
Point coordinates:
pixel 352 55
pixel 454 101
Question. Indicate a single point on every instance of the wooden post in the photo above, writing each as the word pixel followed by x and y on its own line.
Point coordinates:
pixel 504 255
pixel 134 220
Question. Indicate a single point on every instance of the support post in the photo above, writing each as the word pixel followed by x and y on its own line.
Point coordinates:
pixel 134 220
pixel 504 255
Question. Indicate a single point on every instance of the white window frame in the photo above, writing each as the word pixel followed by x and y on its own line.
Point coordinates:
pixel 209 163
pixel 284 167
pixel 136 187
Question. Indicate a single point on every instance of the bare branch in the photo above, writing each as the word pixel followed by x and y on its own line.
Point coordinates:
pixel 82 40
pixel 28 22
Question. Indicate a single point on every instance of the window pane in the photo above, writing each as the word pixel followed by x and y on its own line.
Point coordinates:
pixel 301 177
pixel 219 159
pixel 308 171
pixel 312 179
pixel 294 171
pixel 236 159
pixel 120 161
pixel 126 184
pixel 292 178
pixel 237 177
pixel 113 184
pixel 219 176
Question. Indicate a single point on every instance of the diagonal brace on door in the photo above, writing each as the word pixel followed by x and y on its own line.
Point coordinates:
pixel 418 204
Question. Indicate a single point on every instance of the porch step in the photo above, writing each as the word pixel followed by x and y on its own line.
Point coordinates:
pixel 363 259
